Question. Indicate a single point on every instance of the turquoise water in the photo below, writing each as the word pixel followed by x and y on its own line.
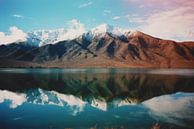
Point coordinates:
pixel 96 98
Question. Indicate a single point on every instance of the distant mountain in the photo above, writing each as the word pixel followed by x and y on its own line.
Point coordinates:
pixel 44 37
pixel 103 46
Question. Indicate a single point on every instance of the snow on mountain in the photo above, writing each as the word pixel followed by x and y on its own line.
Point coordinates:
pixel 43 37
pixel 103 28
pixel 43 97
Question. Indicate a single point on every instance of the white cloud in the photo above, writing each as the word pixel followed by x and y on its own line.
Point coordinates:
pixel 76 28
pixel 107 11
pixel 116 17
pixel 16 99
pixel 135 19
pixel 16 35
pixel 18 16
pixel 171 24
pixel 85 4
pixel 172 108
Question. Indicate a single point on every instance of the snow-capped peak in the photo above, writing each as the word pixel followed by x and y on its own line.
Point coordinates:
pixel 133 33
pixel 76 29
pixel 104 28
pixel 44 37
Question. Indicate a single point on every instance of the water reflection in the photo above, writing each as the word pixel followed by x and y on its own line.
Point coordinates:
pixel 96 98
pixel 56 110
pixel 106 85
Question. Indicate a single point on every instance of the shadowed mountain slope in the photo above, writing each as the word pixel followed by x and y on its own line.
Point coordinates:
pixel 134 49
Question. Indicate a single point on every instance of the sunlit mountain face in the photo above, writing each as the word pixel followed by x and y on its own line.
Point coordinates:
pixel 103 46
pixel 96 98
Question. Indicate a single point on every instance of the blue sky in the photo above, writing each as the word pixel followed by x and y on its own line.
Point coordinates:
pixel 162 18
pixel 50 14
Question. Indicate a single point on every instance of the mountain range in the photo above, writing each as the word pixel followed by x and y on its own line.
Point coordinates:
pixel 103 46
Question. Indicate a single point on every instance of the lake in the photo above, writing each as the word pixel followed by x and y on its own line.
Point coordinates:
pixel 96 98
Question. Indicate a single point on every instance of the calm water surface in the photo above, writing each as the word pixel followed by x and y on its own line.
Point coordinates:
pixel 96 98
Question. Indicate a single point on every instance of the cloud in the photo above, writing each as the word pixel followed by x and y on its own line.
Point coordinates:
pixel 16 99
pixel 135 19
pixel 16 35
pixel 116 17
pixel 76 28
pixel 18 16
pixel 171 24
pixel 172 108
pixel 163 3
pixel 169 19
pixel 106 12
pixel 85 4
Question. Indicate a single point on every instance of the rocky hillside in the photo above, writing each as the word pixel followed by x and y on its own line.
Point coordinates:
pixel 105 49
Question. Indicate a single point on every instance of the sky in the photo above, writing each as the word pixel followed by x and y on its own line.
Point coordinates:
pixel 168 19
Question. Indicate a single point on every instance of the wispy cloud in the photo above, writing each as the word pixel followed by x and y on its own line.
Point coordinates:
pixel 116 17
pixel 85 4
pixel 18 16
pixel 107 11
pixel 170 19
pixel 137 19
pixel 163 3
pixel 171 24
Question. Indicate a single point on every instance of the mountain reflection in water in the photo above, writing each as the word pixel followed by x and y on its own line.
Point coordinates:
pixel 105 84
pixel 97 98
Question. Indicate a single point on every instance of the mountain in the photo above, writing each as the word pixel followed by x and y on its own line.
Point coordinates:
pixel 43 37
pixel 103 46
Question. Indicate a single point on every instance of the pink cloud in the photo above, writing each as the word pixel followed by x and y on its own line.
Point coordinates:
pixel 169 19
pixel 175 23
pixel 163 3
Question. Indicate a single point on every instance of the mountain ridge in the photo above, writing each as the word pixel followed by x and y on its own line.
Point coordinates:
pixel 44 37
pixel 100 48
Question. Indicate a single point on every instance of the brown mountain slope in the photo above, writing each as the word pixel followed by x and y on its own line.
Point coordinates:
pixel 105 50
pixel 137 50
